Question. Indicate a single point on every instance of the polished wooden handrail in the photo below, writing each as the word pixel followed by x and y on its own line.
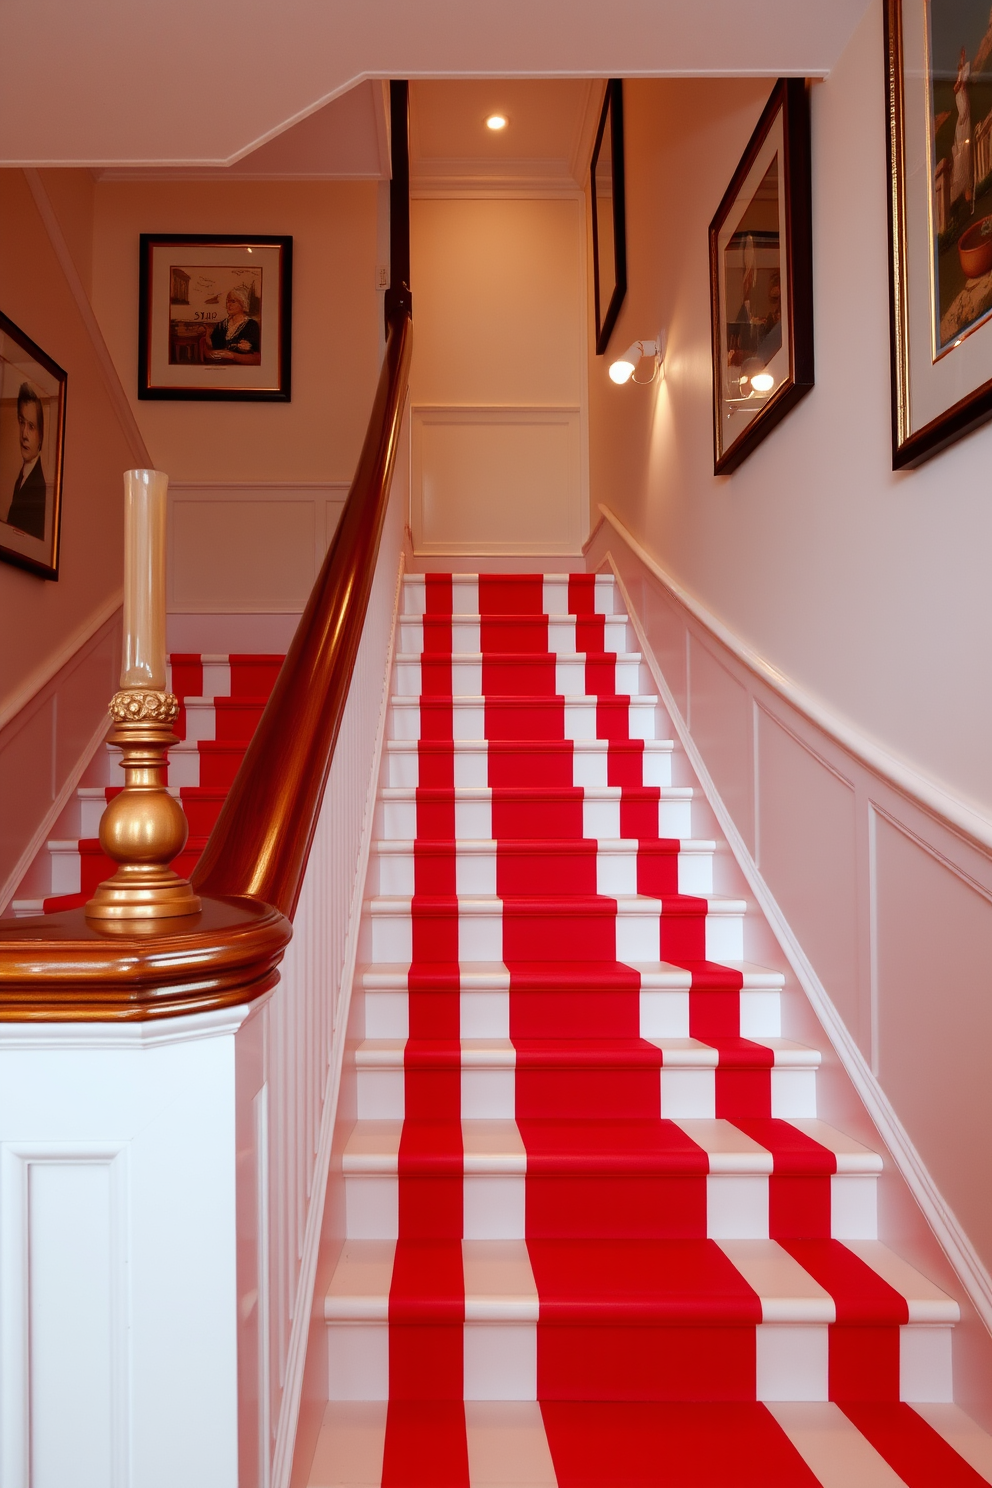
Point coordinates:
pixel 260 844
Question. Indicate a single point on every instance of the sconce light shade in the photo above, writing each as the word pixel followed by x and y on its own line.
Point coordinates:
pixel 623 369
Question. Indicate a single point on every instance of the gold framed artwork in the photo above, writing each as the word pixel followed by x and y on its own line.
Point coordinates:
pixel 215 317
pixel 32 437
pixel 939 60
pixel 761 281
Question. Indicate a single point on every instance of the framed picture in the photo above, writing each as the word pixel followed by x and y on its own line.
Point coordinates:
pixel 761 281
pixel 609 221
pixel 215 317
pixel 32 430
pixel 939 55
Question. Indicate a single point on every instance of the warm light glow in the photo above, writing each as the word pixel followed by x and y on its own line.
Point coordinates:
pixel 762 382
pixel 496 121
pixel 621 371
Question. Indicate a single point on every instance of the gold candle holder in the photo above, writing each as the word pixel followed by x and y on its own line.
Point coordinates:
pixel 143 828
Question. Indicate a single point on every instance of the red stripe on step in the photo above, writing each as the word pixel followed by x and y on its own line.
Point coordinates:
pixel 187 681
pixel 911 1447
pixel 426 1445
pixel 799 1193
pixel 437 592
pixel 864 1342
pixel 546 763
pixel 511 594
pixel 582 595
pixel 625 766
pixel 664 1445
pixel 613 1179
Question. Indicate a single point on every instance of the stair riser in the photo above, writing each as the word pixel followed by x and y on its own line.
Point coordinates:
pixel 486 1014
pixel 728 1207
pixel 530 721
pixel 554 591
pixel 400 820
pixel 465 635
pixel 773 1361
pixel 471 767
pixel 633 934
pixel 526 677
pixel 686 1094
pixel 394 873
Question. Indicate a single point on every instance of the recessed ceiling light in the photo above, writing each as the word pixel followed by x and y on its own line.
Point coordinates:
pixel 496 121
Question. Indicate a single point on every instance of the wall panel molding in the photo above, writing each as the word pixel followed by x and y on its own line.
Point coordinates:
pixel 46 745
pixel 238 547
pixel 65 1307
pixel 498 479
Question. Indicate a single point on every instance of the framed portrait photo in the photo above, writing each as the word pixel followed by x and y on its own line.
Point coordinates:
pixel 939 58
pixel 32 433
pixel 761 281
pixel 215 317
pixel 609 219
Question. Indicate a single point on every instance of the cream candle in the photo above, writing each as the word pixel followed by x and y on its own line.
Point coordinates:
pixel 144 579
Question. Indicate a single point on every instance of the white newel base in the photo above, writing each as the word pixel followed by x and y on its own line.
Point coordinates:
pixel 119 1252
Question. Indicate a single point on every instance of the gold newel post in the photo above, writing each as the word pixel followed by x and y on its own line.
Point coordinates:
pixel 144 827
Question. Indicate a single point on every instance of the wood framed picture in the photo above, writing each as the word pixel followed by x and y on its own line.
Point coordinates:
pixel 215 317
pixel 32 436
pixel 609 218
pixel 761 280
pixel 939 57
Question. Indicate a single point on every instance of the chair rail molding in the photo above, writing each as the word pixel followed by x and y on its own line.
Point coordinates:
pixel 934 797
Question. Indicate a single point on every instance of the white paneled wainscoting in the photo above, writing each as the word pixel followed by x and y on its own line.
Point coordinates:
pixel 243 557
pixel 878 884
pixel 162 1185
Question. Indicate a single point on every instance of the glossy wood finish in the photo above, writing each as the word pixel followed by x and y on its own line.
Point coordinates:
pixel 62 967
pixel 261 842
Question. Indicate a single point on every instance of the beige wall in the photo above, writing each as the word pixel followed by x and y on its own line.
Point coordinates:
pixel 868 589
pixel 315 437
pixel 498 379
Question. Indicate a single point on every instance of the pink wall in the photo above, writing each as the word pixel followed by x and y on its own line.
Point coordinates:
pixel 336 310
pixel 38 616
pixel 868 589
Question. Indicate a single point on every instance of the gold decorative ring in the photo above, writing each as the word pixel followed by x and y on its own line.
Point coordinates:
pixel 142 704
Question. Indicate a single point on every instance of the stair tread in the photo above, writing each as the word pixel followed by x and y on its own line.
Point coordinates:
pixel 507 1442
pixel 497 1146
pixel 674 1281
pixel 494 975
pixel 481 1053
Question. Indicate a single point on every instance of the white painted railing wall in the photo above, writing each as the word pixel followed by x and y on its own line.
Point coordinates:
pixel 297 1049
pixel 882 904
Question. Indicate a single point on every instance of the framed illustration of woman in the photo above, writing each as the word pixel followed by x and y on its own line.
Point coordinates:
pixel 215 317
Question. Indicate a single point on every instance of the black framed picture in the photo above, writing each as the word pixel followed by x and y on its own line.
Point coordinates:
pixel 215 317
pixel 761 280
pixel 939 58
pixel 609 222
pixel 32 438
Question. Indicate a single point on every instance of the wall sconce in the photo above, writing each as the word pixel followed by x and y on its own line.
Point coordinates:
pixel 622 370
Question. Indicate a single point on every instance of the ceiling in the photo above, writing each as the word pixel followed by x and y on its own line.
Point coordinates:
pixel 203 83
